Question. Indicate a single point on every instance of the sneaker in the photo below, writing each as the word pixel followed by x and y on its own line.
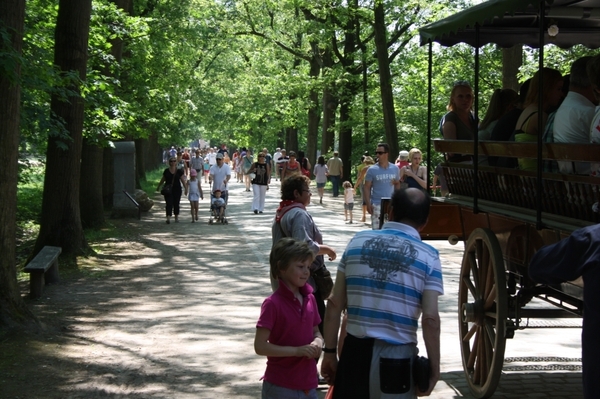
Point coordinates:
pixel 321 200
pixel 255 212
pixel 168 221
pixel 350 222
pixel 260 212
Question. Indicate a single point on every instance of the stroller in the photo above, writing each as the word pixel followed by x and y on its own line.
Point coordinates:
pixel 218 205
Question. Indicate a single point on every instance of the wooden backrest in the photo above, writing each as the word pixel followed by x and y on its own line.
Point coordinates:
pixel 571 196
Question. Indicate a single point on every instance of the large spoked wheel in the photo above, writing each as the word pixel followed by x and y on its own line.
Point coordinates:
pixel 482 304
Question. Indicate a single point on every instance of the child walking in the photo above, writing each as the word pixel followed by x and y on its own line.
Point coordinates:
pixel 194 193
pixel 348 200
pixel 288 337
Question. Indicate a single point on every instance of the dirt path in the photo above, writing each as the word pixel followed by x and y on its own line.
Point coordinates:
pixel 168 312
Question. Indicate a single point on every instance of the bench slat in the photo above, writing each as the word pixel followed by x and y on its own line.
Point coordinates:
pixel 43 260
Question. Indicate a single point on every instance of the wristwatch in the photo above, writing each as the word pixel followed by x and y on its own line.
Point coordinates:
pixel 329 350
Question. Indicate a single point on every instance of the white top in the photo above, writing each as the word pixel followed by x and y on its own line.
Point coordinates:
pixel 219 175
pixel 212 158
pixel 349 195
pixel 572 125
pixel 320 172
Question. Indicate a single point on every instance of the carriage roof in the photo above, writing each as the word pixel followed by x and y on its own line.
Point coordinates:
pixel 511 22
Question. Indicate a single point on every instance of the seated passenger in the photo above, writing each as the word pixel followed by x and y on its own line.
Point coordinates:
pixel 459 123
pixel 575 114
pixel 502 101
pixel 506 127
pixel 527 128
pixel 593 70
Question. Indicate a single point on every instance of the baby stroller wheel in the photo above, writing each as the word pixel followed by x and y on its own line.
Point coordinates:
pixel 210 221
pixel 224 221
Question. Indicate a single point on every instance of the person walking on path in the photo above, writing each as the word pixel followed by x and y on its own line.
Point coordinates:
pixel 386 279
pixel 287 331
pixel 576 256
pixel 195 193
pixel 348 201
pixel 320 171
pixel 219 176
pixel 336 172
pixel 247 161
pixel 293 220
pixel 380 181
pixel 360 183
pixel 260 183
pixel 173 177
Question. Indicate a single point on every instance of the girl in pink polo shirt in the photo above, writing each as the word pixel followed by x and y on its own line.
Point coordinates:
pixel 287 331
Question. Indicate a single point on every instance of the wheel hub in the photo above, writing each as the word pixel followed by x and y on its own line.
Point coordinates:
pixel 473 312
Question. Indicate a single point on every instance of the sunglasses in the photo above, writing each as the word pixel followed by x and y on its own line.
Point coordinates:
pixel 261 156
pixel 462 83
pixel 172 161
pixel 380 152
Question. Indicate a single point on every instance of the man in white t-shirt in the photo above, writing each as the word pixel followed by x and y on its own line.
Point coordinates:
pixel 212 157
pixel 575 114
pixel 219 176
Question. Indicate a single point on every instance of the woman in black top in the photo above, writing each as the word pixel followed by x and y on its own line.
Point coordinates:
pixel 176 179
pixel 260 183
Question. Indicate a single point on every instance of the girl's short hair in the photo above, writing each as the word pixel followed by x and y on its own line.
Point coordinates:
pixel 347 184
pixel 286 251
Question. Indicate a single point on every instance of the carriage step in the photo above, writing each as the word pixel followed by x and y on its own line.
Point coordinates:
pixel 534 363
pixel 545 323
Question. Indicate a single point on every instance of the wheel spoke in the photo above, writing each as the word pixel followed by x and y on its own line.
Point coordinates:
pixel 491 298
pixel 475 271
pixel 473 354
pixel 491 333
pixel 467 281
pixel 469 335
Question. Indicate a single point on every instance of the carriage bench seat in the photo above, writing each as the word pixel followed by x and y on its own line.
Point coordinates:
pixel 43 269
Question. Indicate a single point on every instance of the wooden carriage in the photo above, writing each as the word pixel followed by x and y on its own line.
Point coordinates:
pixel 505 215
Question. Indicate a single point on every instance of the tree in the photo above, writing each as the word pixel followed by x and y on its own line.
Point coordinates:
pixel 61 222
pixel 12 16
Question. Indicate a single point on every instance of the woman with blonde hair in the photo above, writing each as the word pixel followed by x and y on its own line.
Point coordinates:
pixel 360 182
pixel 413 174
pixel 459 123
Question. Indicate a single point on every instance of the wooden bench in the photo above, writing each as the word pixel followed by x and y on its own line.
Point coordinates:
pixel 43 269
pixel 571 196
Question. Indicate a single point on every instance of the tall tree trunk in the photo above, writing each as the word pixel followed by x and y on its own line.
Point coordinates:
pixel 385 79
pixel 61 219
pixel 512 59
pixel 329 104
pixel 291 139
pixel 314 113
pixel 13 310
pixel 346 138
pixel 90 185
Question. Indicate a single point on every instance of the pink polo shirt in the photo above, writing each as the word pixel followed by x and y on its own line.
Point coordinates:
pixel 291 324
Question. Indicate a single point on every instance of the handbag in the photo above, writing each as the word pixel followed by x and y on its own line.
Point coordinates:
pixel 306 172
pixel 421 373
pixel 166 189
pixel 323 281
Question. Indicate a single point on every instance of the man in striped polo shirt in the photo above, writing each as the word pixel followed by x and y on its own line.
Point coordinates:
pixel 386 280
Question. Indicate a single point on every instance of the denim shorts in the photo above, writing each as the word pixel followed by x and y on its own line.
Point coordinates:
pixel 321 185
pixel 272 391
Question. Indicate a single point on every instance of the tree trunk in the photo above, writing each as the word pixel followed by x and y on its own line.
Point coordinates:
pixel 329 104
pixel 61 219
pixel 512 59
pixel 385 80
pixel 13 310
pixel 291 139
pixel 90 184
pixel 314 113
pixel 346 139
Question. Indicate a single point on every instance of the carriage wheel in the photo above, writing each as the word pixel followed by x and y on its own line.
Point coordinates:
pixel 482 303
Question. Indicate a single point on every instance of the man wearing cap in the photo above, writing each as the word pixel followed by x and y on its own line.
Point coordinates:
pixel 380 182
pixel 219 176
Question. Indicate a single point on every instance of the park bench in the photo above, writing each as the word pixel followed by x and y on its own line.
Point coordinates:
pixel 566 195
pixel 43 269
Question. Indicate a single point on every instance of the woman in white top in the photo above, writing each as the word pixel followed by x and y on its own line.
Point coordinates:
pixel 320 171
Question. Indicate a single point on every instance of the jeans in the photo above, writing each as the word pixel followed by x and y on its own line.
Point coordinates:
pixel 335 182
pixel 271 391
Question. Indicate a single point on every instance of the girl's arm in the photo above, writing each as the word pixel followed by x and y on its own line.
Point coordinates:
pixel 263 347
pixel 184 182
